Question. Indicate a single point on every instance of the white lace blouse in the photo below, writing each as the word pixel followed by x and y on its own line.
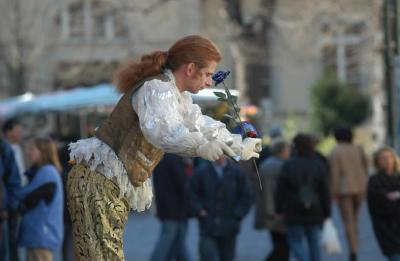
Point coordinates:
pixel 169 120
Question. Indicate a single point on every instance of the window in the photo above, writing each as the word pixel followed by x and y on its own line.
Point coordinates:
pixel 91 20
pixel 342 55
pixel 108 25
pixel 76 20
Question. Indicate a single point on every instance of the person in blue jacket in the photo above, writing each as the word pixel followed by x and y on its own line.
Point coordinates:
pixel 42 203
pixel 10 183
pixel 221 197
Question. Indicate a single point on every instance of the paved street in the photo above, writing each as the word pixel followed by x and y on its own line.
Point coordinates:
pixel 142 231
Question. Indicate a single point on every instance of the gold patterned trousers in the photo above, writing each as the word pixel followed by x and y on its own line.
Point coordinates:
pixel 98 215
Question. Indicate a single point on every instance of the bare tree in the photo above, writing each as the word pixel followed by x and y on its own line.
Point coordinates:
pixel 251 47
pixel 23 39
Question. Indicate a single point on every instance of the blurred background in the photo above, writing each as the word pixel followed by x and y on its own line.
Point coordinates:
pixel 305 65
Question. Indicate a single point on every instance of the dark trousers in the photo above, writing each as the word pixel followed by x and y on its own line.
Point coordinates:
pixel 3 241
pixel 68 245
pixel 280 250
pixel 217 248
pixel 304 241
pixel 13 231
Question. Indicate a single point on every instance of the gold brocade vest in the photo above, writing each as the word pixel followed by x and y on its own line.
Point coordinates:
pixel 121 131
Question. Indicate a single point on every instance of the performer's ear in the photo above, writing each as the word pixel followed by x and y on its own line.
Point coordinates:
pixel 191 69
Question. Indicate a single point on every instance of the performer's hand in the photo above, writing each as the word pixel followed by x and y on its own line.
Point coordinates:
pixel 251 148
pixel 213 150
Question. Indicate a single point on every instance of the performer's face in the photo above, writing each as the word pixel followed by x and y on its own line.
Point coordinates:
pixel 199 79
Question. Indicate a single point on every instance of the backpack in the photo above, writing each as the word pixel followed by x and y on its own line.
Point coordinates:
pixel 307 195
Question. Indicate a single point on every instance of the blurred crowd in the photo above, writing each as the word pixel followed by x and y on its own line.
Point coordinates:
pixel 298 187
pixel 293 197
pixel 32 208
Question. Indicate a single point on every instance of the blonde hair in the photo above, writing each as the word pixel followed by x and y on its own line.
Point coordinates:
pixel 392 152
pixel 48 152
pixel 190 49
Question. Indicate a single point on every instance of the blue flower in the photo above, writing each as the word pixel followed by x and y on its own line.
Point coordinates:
pixel 220 76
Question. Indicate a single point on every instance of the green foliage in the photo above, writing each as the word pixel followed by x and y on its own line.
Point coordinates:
pixel 326 145
pixel 221 96
pixel 290 126
pixel 334 103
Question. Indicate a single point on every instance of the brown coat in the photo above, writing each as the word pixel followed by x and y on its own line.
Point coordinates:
pixel 349 170
pixel 121 131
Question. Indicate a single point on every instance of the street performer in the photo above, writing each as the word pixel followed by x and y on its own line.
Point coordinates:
pixel 155 115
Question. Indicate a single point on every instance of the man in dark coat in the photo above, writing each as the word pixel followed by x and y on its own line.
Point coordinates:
pixel 171 193
pixel 10 183
pixel 221 197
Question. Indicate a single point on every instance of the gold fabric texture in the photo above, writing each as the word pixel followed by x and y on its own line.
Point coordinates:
pixel 98 215
pixel 121 131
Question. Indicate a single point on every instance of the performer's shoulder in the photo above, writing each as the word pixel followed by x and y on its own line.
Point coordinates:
pixel 156 83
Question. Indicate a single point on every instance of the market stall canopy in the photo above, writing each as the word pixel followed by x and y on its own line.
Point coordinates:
pixel 80 98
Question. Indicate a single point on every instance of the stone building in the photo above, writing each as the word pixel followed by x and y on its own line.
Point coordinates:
pixel 298 41
pixel 69 43
pixel 47 45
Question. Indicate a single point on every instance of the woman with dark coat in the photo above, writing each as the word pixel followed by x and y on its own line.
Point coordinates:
pixel 384 202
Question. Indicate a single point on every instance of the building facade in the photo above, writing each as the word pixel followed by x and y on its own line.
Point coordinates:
pixel 70 43
pixel 305 40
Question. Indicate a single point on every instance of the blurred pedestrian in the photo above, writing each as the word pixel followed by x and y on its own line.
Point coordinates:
pixel 270 170
pixel 248 167
pixel 221 197
pixel 349 170
pixel 13 133
pixel 303 199
pixel 275 133
pixel 171 178
pixel 42 203
pixel 384 202
pixel 10 183
pixel 155 115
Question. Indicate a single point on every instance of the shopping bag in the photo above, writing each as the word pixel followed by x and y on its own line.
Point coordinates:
pixel 330 238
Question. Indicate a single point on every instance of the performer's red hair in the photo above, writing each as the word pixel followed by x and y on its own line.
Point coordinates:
pixel 190 49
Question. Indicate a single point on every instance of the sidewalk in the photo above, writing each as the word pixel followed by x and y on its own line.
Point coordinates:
pixel 142 231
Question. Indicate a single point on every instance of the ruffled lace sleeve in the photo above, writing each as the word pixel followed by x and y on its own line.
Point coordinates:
pixel 162 118
pixel 211 129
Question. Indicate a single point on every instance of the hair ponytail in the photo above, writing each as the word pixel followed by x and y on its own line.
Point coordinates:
pixel 190 49
pixel 131 72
